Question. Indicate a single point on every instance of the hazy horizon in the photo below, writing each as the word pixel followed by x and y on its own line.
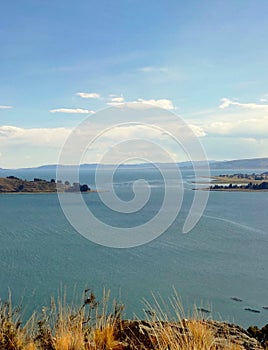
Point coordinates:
pixel 184 163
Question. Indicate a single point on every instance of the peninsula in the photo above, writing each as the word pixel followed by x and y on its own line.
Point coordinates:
pixel 240 182
pixel 13 184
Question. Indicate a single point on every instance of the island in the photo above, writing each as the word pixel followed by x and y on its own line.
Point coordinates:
pixel 240 182
pixel 13 184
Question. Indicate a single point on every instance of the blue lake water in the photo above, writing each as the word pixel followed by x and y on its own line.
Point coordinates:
pixel 224 256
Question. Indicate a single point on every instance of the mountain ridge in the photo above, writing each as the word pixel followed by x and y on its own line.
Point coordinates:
pixel 247 163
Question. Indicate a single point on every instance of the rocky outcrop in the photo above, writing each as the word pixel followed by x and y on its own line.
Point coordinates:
pixel 226 333
pixel 141 335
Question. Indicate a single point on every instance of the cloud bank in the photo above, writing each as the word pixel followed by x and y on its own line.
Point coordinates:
pixel 227 103
pixel 72 111
pixel 241 131
pixel 93 95
pixel 6 107
pixel 53 137
pixel 141 103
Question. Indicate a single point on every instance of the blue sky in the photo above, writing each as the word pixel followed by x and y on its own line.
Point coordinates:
pixel 207 61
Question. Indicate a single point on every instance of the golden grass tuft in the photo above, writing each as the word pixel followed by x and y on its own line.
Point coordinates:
pixel 201 337
pixel 99 326
pixel 172 330
pixel 105 339
pixel 29 346
pixel 196 337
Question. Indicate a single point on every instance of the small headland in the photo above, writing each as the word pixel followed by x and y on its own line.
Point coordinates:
pixel 13 184
pixel 239 183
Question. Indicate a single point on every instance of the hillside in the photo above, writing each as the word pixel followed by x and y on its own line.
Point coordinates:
pixel 13 184
pixel 251 163
pixel 255 163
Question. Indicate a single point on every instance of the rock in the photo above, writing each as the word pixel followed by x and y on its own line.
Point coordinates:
pixel 226 333
pixel 141 335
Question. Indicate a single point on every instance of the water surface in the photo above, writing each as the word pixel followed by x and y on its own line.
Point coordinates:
pixel 224 256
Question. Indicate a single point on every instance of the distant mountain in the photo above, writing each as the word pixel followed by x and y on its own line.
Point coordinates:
pixel 53 167
pixel 254 163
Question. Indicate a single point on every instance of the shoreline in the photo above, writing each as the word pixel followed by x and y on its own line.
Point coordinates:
pixel 235 183
pixel 15 185
pixel 50 192
pixel 229 190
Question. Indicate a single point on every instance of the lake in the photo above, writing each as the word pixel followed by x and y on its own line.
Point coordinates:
pixel 224 256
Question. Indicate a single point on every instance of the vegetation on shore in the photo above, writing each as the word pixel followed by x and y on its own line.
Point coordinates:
pixel 241 178
pixel 100 326
pixel 260 334
pixel 239 182
pixel 263 186
pixel 13 184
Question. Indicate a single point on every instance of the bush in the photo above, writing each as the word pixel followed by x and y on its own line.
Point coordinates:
pixel 260 334
pixel 84 188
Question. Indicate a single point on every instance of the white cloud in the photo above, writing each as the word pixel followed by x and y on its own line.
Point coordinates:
pixel 151 69
pixel 116 100
pixel 161 103
pixel 235 148
pixel 227 102
pixel 89 95
pixel 53 137
pixel 233 133
pixel 249 127
pixel 6 107
pixel 72 110
pixel 141 103
pixel 43 145
pixel 21 147
pixel 128 142
pixel 198 130
pixel 247 120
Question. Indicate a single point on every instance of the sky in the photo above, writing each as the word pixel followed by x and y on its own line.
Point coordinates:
pixel 64 61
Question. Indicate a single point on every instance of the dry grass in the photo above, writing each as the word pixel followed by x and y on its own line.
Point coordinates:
pixel 196 337
pixel 99 326
pixel 68 333
pixel 62 327
pixel 173 330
